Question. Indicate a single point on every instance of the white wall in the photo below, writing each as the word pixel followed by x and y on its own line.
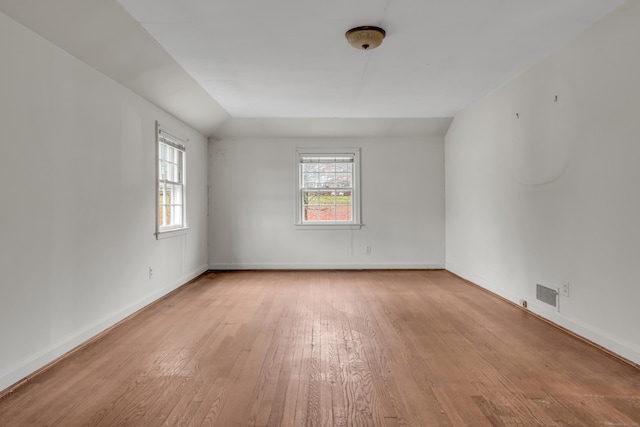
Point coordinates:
pixel 77 210
pixel 553 195
pixel 252 205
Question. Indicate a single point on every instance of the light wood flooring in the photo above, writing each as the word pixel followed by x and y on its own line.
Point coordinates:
pixel 331 348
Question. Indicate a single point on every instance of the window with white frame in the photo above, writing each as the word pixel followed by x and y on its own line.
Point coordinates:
pixel 327 190
pixel 170 183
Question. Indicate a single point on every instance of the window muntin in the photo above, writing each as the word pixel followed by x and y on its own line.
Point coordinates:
pixel 170 185
pixel 327 188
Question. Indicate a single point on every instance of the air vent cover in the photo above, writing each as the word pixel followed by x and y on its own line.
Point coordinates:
pixel 547 295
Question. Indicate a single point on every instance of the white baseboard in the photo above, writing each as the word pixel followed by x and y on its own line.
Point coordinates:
pixel 18 372
pixel 480 281
pixel 327 266
pixel 629 351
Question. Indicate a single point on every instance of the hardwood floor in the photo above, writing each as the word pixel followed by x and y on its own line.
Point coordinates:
pixel 331 348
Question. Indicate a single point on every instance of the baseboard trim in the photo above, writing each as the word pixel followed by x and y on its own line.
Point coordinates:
pixel 574 327
pixel 16 376
pixel 327 266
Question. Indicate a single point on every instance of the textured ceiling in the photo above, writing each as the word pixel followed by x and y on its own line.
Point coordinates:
pixel 284 58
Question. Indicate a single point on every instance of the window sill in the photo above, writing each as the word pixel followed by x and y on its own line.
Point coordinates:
pixel 334 226
pixel 171 233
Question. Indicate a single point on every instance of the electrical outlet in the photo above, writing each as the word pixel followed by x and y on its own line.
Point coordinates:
pixel 565 290
pixel 523 303
pixel 367 249
pixel 150 272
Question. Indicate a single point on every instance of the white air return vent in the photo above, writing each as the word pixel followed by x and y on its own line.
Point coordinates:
pixel 547 295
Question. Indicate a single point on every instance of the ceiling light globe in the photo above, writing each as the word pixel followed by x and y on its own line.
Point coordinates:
pixel 365 37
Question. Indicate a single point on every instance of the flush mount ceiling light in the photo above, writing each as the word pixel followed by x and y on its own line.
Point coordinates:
pixel 366 37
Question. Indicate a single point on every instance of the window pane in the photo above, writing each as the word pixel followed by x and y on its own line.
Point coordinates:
pixel 310 198
pixel 343 213
pixel 168 190
pixel 343 180
pixel 310 213
pixel 343 167
pixel 310 180
pixel 327 213
pixel 174 173
pixel 327 198
pixel 178 170
pixel 327 179
pixel 309 167
pixel 161 215
pixel 343 197
pixel 171 217
pixel 167 171
pixel 176 215
pixel 177 194
pixel 162 171
pixel 161 193
pixel 166 215
pixel 326 167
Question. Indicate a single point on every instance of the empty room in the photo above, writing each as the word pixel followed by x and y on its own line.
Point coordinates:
pixel 330 213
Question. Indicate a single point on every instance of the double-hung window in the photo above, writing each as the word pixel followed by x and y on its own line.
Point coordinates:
pixel 327 190
pixel 170 183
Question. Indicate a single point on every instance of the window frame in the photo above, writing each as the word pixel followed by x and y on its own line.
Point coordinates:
pixel 356 214
pixel 164 137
